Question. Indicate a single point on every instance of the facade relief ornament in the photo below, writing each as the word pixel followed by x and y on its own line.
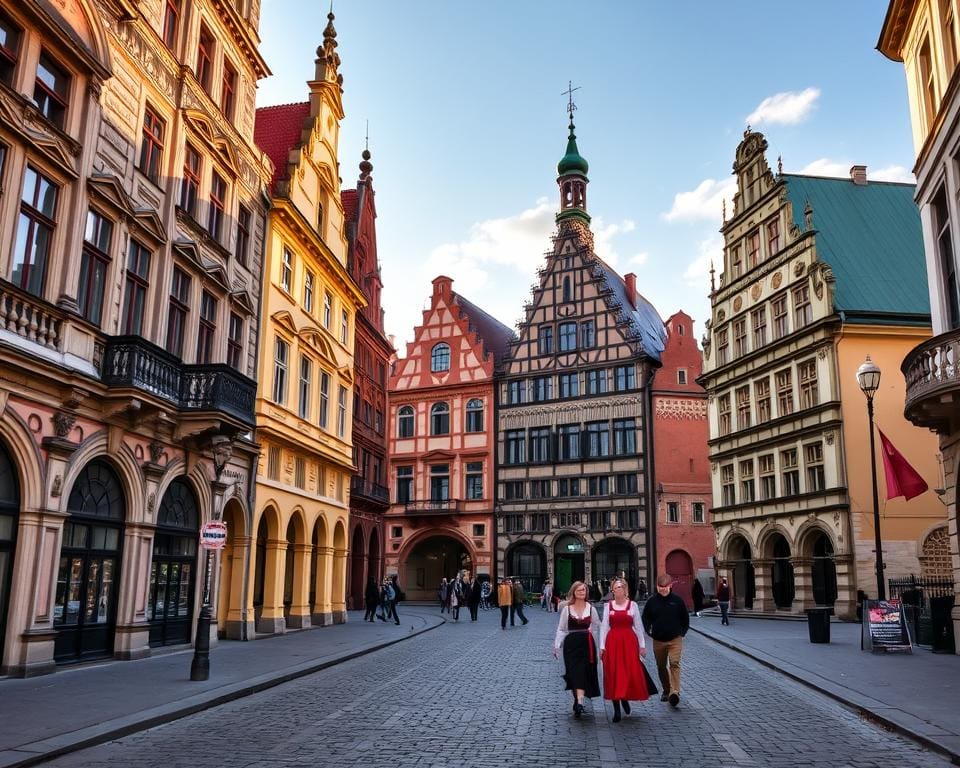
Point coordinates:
pixel 798 268
pixel 721 316
pixel 755 291
pixel 56 487
pixel 829 437
pixel 151 502
pixel 63 423
pixel 738 304
pixel 156 452
pixel 776 280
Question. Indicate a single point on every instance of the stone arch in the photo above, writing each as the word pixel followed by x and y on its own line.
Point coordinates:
pixel 613 557
pixel 777 549
pixel 816 550
pixel 806 537
pixel 737 556
pixel 527 560
pixel 232 560
pixel 766 538
pixel 933 552
pixel 266 564
pixel 81 20
pixel 731 546
pixel 198 481
pixel 122 461
pixel 27 462
pixel 569 564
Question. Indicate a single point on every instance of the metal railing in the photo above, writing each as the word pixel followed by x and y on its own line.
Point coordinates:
pixel 360 486
pixel 916 594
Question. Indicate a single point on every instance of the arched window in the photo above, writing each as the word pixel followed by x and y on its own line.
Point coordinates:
pixel 405 421
pixel 475 415
pixel 440 358
pixel 440 419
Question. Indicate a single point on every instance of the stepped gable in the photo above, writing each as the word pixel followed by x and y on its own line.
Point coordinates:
pixel 494 335
pixel 277 130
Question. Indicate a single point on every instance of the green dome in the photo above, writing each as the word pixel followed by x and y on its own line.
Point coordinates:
pixel 573 161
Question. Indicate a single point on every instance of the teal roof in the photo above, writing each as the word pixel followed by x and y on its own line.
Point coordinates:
pixel 871 237
pixel 572 161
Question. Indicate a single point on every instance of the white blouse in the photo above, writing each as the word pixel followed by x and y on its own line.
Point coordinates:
pixel 634 612
pixel 562 630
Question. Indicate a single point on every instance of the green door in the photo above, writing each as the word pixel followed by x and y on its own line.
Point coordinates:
pixel 564 575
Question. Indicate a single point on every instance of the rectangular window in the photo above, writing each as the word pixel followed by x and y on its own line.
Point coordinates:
pixel 273 462
pixel 440 482
pixel 190 184
pixel 948 263
pixel 809 394
pixel 569 385
pixel 177 311
pixel 723 412
pixel 308 279
pixel 327 309
pixel 514 443
pixel 540 445
pixel 588 334
pixel 545 340
pixel 791 472
pixel 404 485
pixel 740 337
pixel 479 529
pixel 949 37
pixel 784 392
pixel 51 93
pixel 625 378
pixel 759 318
pixel 624 437
pixel 10 35
pixel 598 520
pixel 306 376
pixel 596 382
pixel 928 93
pixel 516 392
pixel 171 21
pixel 779 306
pixel 396 531
pixel 475 415
pixel 281 357
pixel 218 202
pixel 344 326
pixel 699 512
pixel 324 398
pixel 743 407
pixel 300 472
pixel 753 249
pixel 205 58
pixel 94 263
pixel 228 89
pixel 773 237
pixel 513 489
pixel 342 412
pixel 568 487
pixel 38 210
pixel 598 486
pixel 235 342
pixel 673 512
pixel 151 147
pixel 513 523
pixel 598 439
pixel 475 480
pixel 813 454
pixel 736 262
pixel 768 477
pixel 208 327
pixel 802 311
pixel 135 288
pixel 761 388
pixel 540 489
pixel 542 389
pixel 286 270
pixel 626 483
pixel 747 487
pixel 539 522
pixel 243 234
pixel 569 439
pixel 727 488
pixel 681 376
pixel 723 347
pixel 567 341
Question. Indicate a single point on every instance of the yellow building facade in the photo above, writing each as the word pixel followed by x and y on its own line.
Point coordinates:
pixel 297 572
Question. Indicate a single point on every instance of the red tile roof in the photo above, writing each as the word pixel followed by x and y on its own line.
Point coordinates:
pixel 277 130
pixel 349 198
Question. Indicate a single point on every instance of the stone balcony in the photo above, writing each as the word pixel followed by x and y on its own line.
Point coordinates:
pixel 932 373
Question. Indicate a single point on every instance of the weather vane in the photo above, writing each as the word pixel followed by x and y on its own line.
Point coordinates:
pixel 367 137
pixel 569 94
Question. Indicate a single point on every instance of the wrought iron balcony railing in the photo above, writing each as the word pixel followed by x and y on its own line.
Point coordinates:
pixel 932 373
pixel 363 488
pixel 131 361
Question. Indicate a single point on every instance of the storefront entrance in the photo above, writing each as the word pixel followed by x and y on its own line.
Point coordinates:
pixel 9 514
pixel 568 563
pixel 429 561
pixel 174 568
pixel 615 558
pixel 527 562
pixel 89 570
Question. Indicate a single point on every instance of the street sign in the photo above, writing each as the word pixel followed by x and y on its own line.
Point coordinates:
pixel 213 535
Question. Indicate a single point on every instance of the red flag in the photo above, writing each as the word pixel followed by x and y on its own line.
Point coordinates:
pixel 902 479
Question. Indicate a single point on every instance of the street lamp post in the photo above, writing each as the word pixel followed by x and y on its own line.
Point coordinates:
pixel 868 377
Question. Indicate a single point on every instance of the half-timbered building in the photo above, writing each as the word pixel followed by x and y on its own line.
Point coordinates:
pixel 574 413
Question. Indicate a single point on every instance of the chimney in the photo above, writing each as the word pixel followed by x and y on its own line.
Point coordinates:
pixel 442 287
pixel 858 175
pixel 630 280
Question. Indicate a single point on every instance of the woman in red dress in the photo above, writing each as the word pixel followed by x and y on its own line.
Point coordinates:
pixel 622 647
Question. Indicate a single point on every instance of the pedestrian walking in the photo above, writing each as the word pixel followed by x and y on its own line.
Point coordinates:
pixel 518 595
pixel 372 598
pixel 486 591
pixel 666 620
pixel 697 594
pixel 641 591
pixel 473 597
pixel 442 593
pixel 505 601
pixel 546 597
pixel 622 646
pixel 456 596
pixel 723 598
pixel 395 595
pixel 577 636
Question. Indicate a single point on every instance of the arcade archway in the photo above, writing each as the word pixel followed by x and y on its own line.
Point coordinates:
pixel 430 560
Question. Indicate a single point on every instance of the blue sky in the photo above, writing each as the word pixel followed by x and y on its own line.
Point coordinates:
pixel 467 123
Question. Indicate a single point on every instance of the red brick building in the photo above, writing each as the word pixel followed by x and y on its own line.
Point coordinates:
pixel 441 443
pixel 369 495
pixel 685 539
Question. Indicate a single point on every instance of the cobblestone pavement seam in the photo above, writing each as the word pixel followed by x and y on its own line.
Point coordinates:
pixel 850 699
pixel 40 751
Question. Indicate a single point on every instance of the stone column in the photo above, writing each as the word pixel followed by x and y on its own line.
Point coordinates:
pixel 271 615
pixel 231 611
pixel 802 583
pixel 763 580
pixel 322 610
pixel 338 603
pixel 299 617
pixel 846 605
pixel 132 639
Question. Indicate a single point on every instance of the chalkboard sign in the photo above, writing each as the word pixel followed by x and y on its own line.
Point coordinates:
pixel 884 627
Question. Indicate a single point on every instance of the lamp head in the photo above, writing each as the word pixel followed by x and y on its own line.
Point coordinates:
pixel 868 377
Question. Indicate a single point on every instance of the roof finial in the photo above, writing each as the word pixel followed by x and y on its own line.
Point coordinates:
pixel 724 200
pixel 779 165
pixel 366 140
pixel 713 287
pixel 366 167
pixel 571 107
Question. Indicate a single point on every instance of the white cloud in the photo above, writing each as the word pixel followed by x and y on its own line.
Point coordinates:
pixel 603 236
pixel 639 259
pixel 787 108
pixel 826 167
pixel 892 173
pixel 697 274
pixel 704 202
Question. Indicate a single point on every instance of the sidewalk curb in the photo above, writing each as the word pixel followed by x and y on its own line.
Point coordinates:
pixel 36 752
pixel 837 693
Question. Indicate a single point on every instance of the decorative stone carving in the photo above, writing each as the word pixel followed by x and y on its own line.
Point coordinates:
pixel 798 268
pixel 829 437
pixel 56 487
pixel 721 315
pixel 681 408
pixel 776 280
pixel 738 304
pixel 63 423
pixel 151 502
pixel 755 291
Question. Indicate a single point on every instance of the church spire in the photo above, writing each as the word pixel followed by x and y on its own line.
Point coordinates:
pixel 572 172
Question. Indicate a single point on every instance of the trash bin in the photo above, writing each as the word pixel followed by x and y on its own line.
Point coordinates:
pixel 818 623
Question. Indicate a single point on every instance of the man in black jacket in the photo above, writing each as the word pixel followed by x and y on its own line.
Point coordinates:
pixel 666 620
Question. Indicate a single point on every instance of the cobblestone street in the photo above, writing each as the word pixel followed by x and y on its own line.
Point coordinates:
pixel 473 695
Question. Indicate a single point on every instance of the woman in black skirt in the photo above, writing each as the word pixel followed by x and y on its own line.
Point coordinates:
pixel 577 635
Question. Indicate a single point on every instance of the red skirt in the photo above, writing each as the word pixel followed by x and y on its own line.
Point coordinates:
pixel 624 676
